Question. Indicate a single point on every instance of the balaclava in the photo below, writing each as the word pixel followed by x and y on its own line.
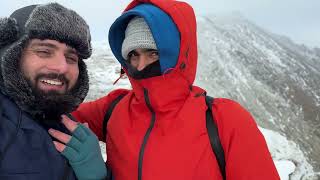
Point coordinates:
pixel 49 21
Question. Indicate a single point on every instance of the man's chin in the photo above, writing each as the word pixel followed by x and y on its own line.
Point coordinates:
pixel 52 91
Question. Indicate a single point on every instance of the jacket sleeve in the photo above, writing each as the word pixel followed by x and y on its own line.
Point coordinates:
pixel 246 152
pixel 93 112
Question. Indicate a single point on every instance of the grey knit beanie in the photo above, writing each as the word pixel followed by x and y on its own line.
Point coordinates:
pixel 137 35
pixel 48 21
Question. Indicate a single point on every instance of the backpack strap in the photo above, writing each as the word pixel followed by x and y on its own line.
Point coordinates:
pixel 214 137
pixel 105 123
pixel 109 174
pixel 108 114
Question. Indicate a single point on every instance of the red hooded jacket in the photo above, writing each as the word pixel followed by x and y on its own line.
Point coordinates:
pixel 158 130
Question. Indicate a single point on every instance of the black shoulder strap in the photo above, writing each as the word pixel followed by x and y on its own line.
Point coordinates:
pixel 214 137
pixel 108 114
pixel 109 174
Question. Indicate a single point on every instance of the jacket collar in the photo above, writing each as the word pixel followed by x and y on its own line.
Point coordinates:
pixel 165 92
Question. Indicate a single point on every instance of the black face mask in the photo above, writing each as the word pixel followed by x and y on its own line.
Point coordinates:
pixel 151 70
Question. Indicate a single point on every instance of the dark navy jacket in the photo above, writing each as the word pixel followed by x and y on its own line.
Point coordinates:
pixel 26 148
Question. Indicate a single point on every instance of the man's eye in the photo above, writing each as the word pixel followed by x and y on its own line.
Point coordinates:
pixel 42 53
pixel 132 53
pixel 154 55
pixel 72 59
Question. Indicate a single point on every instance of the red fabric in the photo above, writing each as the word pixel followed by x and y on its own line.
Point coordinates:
pixel 93 112
pixel 178 146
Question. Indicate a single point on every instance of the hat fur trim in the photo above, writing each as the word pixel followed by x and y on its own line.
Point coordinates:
pixel 8 31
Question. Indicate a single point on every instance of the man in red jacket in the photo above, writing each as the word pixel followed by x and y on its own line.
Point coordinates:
pixel 158 129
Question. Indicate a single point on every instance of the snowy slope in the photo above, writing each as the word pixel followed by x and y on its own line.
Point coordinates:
pixel 270 75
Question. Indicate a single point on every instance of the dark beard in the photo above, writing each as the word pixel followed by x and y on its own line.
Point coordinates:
pixel 51 104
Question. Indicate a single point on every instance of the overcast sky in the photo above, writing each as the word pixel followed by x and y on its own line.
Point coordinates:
pixel 297 19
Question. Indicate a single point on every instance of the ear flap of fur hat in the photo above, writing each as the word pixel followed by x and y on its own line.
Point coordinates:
pixel 8 31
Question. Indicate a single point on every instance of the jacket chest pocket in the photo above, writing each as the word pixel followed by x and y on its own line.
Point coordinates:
pixel 22 164
pixel 23 168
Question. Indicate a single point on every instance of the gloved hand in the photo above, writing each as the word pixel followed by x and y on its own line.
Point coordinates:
pixel 81 149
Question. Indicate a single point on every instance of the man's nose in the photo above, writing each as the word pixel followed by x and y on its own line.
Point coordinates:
pixel 58 63
pixel 143 62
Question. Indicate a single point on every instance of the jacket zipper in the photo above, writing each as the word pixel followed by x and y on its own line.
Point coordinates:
pixel 146 136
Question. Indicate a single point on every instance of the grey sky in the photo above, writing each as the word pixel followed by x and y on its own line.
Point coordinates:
pixel 297 19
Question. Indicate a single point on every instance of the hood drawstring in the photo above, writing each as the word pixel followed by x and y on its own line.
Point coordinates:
pixel 122 73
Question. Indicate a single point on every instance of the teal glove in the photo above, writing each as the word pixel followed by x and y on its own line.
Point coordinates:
pixel 84 155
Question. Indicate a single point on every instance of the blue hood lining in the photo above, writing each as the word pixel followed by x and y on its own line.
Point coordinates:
pixel 163 29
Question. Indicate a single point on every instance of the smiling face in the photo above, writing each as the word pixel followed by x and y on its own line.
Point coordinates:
pixel 50 66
